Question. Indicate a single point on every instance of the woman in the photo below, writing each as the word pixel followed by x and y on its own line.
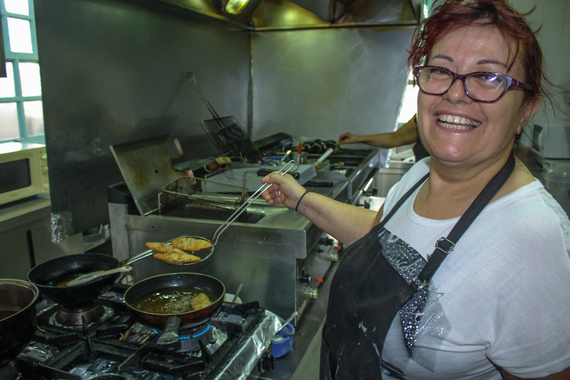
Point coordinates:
pixel 492 300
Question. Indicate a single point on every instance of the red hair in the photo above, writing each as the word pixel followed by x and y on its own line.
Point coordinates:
pixel 453 14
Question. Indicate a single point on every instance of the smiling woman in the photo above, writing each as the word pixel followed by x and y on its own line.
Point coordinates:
pixel 491 301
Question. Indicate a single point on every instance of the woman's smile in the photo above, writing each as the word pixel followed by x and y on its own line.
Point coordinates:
pixel 456 122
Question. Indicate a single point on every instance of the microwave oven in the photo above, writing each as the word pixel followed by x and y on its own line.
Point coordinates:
pixel 23 171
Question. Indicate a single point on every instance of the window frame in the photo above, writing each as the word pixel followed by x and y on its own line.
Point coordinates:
pixel 16 59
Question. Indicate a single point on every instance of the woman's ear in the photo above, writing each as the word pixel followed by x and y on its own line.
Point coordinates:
pixel 529 110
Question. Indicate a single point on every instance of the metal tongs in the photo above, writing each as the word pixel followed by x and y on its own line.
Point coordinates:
pixel 284 170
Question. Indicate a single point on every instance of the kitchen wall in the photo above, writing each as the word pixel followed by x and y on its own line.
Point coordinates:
pixel 324 82
pixel 111 73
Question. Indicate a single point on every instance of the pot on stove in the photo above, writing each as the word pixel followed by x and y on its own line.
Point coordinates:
pixel 17 317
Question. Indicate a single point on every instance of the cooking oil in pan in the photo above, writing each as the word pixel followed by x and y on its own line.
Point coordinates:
pixel 174 300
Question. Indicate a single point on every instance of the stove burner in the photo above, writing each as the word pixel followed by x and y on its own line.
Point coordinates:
pixel 190 339
pixel 74 318
pixel 104 348
pixel 195 340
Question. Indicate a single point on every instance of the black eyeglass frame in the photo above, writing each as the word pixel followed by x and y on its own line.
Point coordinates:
pixel 511 82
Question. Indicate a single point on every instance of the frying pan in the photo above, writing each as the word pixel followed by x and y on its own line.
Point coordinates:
pixel 209 285
pixel 49 274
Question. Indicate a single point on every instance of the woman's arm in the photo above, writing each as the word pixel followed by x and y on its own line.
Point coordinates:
pixel 342 221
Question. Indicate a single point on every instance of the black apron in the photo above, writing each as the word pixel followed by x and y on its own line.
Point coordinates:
pixel 367 293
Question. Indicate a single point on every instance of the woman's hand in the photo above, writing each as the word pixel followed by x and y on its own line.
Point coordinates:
pixel 284 190
pixel 348 138
pixel 344 222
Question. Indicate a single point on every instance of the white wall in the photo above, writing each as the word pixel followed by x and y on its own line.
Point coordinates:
pixel 553 19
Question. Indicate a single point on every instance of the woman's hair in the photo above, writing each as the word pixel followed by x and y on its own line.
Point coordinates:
pixel 453 14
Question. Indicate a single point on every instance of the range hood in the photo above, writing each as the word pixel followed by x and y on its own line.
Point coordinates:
pixel 296 14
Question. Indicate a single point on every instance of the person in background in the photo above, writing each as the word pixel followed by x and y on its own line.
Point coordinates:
pixel 406 134
pixel 464 273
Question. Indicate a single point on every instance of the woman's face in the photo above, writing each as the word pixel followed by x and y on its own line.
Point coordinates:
pixel 455 128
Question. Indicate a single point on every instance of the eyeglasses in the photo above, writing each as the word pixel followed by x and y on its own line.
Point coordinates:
pixel 481 86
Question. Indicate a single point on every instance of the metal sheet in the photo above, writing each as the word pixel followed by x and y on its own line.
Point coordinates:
pixel 121 80
pixel 146 166
pixel 327 82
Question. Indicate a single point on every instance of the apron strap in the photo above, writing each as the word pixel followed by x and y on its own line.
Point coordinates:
pixel 446 245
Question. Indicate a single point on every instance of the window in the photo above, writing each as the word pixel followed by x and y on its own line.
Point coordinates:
pixel 21 113
pixel 409 102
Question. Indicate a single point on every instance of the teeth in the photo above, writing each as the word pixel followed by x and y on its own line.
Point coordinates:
pixel 456 122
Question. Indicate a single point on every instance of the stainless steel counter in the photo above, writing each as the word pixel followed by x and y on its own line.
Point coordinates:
pixel 25 227
pixel 20 213
pixel 302 362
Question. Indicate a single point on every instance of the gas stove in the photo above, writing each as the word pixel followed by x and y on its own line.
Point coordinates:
pixel 105 342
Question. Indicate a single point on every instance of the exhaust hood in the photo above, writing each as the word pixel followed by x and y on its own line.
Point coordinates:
pixel 296 14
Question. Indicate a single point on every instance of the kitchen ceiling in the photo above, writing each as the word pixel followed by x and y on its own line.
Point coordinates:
pixel 298 14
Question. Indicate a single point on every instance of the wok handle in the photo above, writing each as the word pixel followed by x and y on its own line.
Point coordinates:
pixel 170 334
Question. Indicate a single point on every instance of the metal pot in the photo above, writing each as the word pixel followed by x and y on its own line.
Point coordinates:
pixel 154 284
pixel 17 317
pixel 49 274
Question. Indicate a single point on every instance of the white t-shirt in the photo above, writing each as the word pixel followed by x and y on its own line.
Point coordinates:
pixel 501 296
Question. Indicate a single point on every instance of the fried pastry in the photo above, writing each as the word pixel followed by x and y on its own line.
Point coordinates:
pixel 159 247
pixel 166 252
pixel 201 301
pixel 190 244
pixel 177 256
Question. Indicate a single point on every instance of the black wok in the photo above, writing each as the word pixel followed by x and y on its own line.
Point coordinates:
pixel 49 274
pixel 207 284
pixel 17 317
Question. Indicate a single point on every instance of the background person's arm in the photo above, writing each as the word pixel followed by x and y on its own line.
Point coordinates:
pixel 407 134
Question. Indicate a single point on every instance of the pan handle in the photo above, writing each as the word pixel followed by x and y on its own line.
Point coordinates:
pixel 170 334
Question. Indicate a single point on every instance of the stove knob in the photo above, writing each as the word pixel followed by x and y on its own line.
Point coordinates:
pixel 333 256
pixel 312 293
pixel 266 362
pixel 304 278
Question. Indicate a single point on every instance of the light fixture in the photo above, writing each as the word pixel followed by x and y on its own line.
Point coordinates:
pixel 234 7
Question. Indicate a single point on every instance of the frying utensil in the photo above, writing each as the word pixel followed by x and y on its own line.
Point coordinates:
pixel 287 321
pixel 225 132
pixel 206 253
pixel 284 170
pixel 87 277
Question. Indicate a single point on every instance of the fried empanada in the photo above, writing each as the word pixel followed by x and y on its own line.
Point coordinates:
pixel 190 244
pixel 166 252
pixel 177 256
pixel 159 247
pixel 201 301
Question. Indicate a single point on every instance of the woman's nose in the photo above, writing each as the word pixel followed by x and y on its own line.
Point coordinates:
pixel 457 92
